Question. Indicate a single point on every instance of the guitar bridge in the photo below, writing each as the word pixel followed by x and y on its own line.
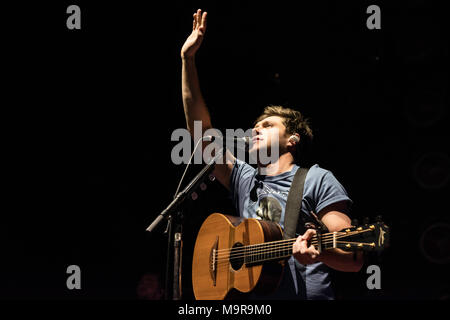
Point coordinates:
pixel 213 261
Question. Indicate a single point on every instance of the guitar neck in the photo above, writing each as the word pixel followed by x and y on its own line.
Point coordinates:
pixel 282 249
pixel 268 251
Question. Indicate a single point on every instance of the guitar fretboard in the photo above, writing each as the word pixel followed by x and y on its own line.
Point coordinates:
pixel 281 249
pixel 269 251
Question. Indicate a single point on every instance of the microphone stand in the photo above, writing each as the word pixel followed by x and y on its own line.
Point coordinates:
pixel 175 216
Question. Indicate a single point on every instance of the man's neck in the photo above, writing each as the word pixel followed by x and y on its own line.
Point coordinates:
pixel 284 163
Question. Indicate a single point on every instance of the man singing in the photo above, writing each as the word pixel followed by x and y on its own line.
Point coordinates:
pixel 262 192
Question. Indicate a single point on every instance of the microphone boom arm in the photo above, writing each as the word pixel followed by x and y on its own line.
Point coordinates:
pixel 186 192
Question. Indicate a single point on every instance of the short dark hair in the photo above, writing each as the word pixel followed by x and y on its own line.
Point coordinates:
pixel 294 121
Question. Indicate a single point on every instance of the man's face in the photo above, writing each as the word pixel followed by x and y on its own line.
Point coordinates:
pixel 267 134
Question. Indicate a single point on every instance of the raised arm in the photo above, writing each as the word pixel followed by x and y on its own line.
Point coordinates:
pixel 194 105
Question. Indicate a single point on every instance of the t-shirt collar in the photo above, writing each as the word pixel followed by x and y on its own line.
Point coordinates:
pixel 280 176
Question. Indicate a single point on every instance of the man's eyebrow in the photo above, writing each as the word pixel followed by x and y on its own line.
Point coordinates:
pixel 262 122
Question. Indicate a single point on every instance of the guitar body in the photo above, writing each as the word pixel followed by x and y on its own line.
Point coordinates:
pixel 215 276
pixel 236 256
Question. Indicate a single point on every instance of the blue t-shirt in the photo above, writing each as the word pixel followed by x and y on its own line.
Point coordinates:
pixel 264 197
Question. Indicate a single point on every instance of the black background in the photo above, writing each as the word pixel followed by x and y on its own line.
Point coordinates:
pixel 88 116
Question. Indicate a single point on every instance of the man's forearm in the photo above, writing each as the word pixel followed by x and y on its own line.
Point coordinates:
pixel 194 105
pixel 342 260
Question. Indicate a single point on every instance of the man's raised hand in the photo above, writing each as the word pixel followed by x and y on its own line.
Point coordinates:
pixel 195 39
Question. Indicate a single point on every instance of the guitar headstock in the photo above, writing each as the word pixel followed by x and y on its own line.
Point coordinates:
pixel 368 237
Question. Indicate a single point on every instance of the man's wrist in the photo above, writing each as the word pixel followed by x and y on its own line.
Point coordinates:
pixel 187 58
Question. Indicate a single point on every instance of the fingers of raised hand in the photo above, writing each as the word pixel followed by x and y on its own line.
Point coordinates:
pixel 199 20
pixel 203 25
pixel 196 22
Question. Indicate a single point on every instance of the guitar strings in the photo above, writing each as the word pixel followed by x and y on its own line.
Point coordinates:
pixel 268 245
pixel 287 247
pixel 273 247
pixel 267 249
pixel 258 254
pixel 264 245
pixel 324 237
pixel 259 251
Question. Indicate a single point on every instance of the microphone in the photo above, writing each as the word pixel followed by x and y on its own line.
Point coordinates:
pixel 243 142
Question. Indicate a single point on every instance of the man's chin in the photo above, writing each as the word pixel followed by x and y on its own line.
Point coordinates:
pixel 253 155
pixel 254 152
pixel 258 155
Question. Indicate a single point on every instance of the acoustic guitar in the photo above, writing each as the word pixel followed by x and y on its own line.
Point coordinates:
pixel 233 255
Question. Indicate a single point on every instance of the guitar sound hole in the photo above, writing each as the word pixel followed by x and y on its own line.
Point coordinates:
pixel 237 256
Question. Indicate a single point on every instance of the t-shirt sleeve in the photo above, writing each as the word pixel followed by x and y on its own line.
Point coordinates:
pixel 241 177
pixel 326 190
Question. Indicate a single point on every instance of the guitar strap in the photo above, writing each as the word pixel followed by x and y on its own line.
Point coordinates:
pixel 294 203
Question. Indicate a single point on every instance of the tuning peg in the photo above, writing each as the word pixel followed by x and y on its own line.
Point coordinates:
pixel 203 186
pixel 355 222
pixel 212 177
pixel 194 196
pixel 366 220
pixel 379 218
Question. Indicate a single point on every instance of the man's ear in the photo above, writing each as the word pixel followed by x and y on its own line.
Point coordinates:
pixel 294 139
